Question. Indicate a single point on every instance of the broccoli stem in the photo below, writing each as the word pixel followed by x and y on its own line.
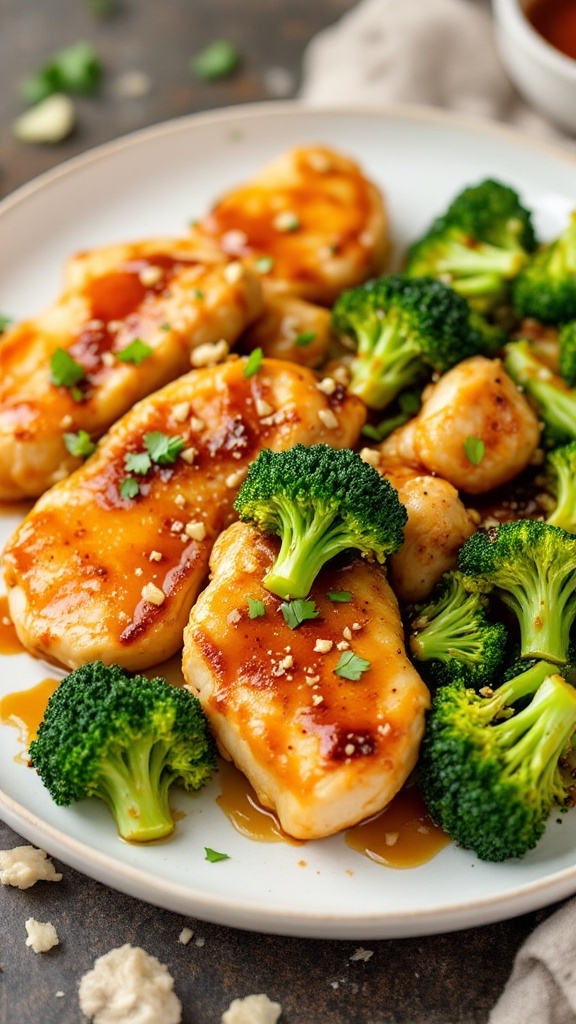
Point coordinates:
pixel 386 365
pixel 307 543
pixel 134 782
pixel 482 260
pixel 540 604
pixel 557 404
pixel 533 739
pixel 459 621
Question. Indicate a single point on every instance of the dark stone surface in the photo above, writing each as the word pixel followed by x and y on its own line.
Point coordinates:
pixel 441 979
pixel 444 979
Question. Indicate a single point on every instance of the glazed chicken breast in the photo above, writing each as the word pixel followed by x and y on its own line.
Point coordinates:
pixel 126 323
pixel 109 562
pixel 310 222
pixel 322 750
pixel 474 400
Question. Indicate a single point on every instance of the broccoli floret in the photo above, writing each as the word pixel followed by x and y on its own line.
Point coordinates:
pixel 404 330
pixel 452 632
pixel 124 739
pixel 489 765
pixel 478 246
pixel 531 567
pixel 560 476
pixel 546 287
pixel 567 352
pixel 554 400
pixel 320 501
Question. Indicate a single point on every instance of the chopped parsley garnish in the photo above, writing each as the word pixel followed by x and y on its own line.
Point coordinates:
pixel 304 338
pixel 255 608
pixel 129 487
pixel 474 448
pixel 298 611
pixel 75 69
pixel 339 596
pixel 80 445
pixel 351 666
pixel 254 362
pixel 66 372
pixel 264 264
pixel 198 294
pixel 163 449
pixel 166 327
pixel 5 322
pixel 218 60
pixel 136 352
pixel 137 462
pixel 213 856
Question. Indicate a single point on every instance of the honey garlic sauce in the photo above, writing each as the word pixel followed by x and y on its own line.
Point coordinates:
pixel 243 809
pixel 555 20
pixel 9 642
pixel 402 836
pixel 80 567
pixel 25 709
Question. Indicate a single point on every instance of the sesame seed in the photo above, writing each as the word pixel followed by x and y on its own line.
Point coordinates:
pixel 185 935
pixel 181 411
pixel 349 749
pixel 180 500
pixel 312 679
pixel 327 417
pixel 196 531
pixel 371 456
pixel 235 479
pixel 234 273
pixel 150 276
pixel 188 455
pixel 66 422
pixel 209 355
pixel 197 424
pixel 153 594
pixel 327 386
pixel 356 626
pixel 347 633
pixel 323 646
pixel 286 220
pixel 263 408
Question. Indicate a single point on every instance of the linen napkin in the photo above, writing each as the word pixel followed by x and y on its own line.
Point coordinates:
pixel 438 53
pixel 442 53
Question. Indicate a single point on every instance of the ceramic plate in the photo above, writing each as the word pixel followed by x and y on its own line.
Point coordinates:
pixel 154 183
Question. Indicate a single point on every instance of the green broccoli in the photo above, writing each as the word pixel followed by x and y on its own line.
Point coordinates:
pixel 560 476
pixel 531 567
pixel 452 632
pixel 567 352
pixel 478 246
pixel 554 400
pixel 489 764
pixel 124 739
pixel 320 501
pixel 545 288
pixel 404 330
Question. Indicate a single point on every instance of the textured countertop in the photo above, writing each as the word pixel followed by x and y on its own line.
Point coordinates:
pixel 443 979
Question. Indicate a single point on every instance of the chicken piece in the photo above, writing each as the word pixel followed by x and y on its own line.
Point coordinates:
pixel 476 401
pixel 109 562
pixel 310 222
pixel 172 295
pixel 321 750
pixel 291 328
pixel 438 524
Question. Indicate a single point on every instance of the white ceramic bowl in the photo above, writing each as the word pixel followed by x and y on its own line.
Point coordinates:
pixel 545 77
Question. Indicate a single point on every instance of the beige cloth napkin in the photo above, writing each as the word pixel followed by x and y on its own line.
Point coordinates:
pixel 442 53
pixel 439 53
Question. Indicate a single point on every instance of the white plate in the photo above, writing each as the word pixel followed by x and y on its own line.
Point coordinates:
pixel 154 182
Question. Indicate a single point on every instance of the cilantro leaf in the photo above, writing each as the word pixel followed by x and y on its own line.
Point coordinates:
pixel 129 487
pixel 137 462
pixel 264 264
pixel 255 608
pixel 218 60
pixel 5 322
pixel 80 445
pixel 163 449
pixel 213 856
pixel 75 69
pixel 474 448
pixel 136 352
pixel 304 338
pixel 351 666
pixel 339 596
pixel 298 611
pixel 254 362
pixel 64 370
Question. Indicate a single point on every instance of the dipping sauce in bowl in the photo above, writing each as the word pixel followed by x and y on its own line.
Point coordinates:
pixel 555 21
